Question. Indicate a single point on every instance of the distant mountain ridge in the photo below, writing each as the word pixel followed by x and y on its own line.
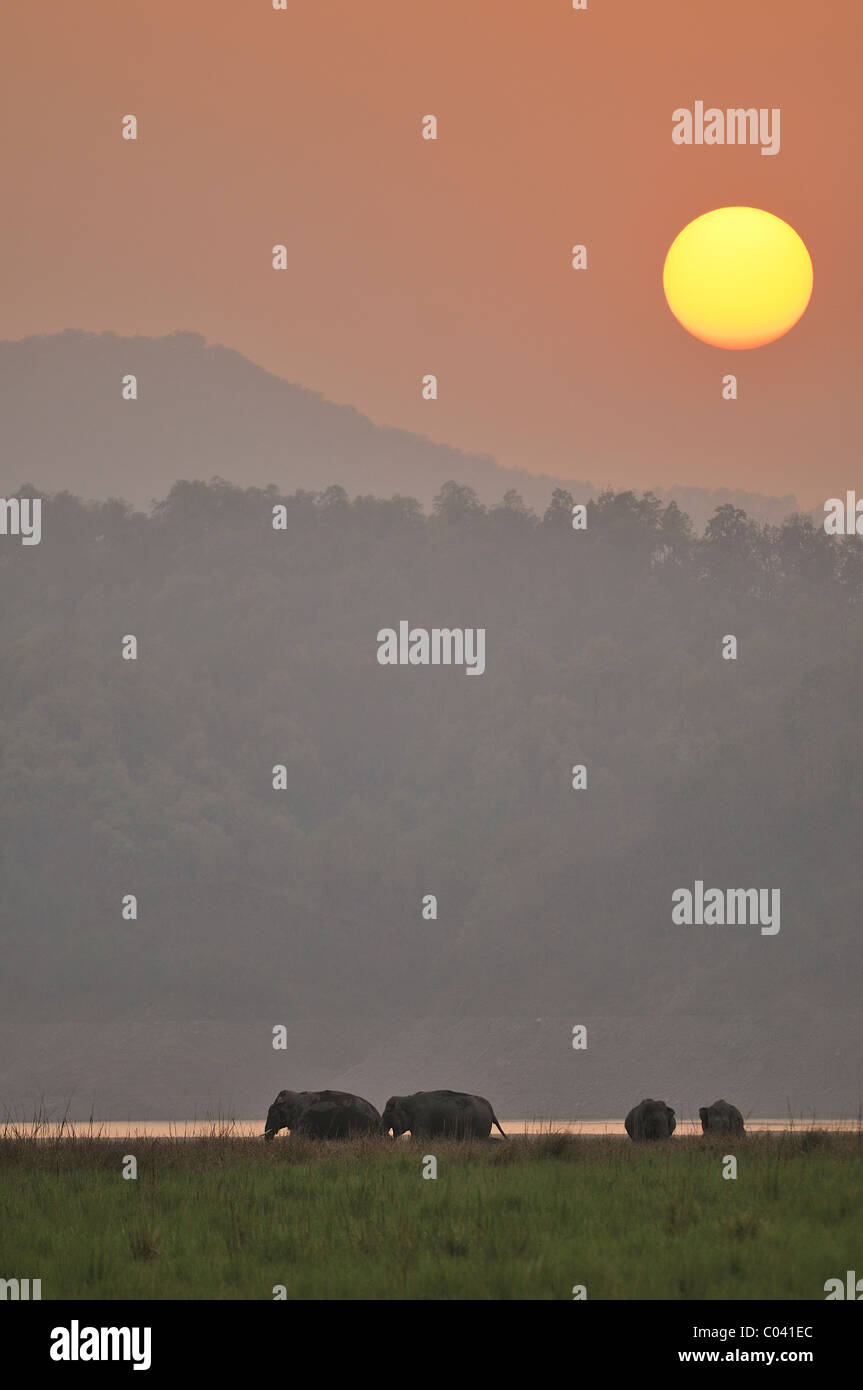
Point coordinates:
pixel 205 411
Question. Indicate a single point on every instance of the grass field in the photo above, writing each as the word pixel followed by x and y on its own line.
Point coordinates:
pixel 228 1218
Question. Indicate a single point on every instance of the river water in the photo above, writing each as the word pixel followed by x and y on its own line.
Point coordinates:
pixel 250 1129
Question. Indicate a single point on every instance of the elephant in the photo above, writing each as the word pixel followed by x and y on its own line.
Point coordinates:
pixel 448 1114
pixel 321 1115
pixel 650 1119
pixel 721 1118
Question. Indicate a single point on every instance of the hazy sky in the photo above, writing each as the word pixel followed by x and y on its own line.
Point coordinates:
pixel 407 256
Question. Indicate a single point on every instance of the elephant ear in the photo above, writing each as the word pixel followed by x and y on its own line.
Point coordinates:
pixel 703 1114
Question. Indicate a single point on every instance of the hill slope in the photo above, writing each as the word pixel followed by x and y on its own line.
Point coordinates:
pixel 206 411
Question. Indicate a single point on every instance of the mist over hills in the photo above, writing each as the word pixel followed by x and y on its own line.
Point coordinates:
pixel 206 411
pixel 302 906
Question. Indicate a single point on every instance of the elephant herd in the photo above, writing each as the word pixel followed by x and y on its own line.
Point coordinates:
pixel 338 1115
pixel 453 1115
pixel 653 1119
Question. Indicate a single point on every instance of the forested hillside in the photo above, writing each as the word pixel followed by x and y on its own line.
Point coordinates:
pixel 258 647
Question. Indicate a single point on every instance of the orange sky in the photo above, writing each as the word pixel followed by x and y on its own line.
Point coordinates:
pixel 410 257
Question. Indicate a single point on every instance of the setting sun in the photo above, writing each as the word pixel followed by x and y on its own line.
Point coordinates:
pixel 737 277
